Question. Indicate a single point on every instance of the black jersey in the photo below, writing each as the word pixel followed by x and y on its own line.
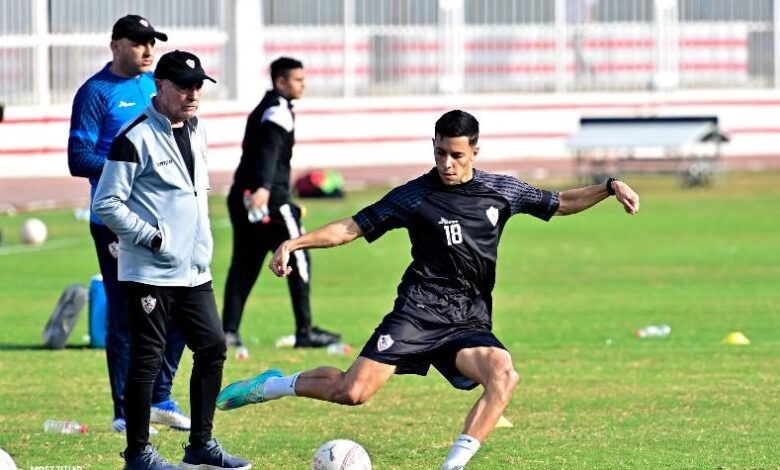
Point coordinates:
pixel 267 149
pixel 454 232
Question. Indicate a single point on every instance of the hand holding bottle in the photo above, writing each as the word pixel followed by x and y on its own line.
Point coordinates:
pixel 257 206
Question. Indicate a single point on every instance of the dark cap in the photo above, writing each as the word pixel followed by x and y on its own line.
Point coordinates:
pixel 182 68
pixel 136 28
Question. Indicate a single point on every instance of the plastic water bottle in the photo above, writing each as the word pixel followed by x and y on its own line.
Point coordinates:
pixel 242 353
pixel 287 341
pixel 339 349
pixel 255 214
pixel 654 331
pixel 64 427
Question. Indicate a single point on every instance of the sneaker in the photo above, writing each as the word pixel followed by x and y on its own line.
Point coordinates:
pixel 148 459
pixel 169 414
pixel 233 340
pixel 244 392
pixel 211 457
pixel 314 337
pixel 120 425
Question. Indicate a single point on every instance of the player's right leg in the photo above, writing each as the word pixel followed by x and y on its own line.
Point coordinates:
pixel 353 387
pixel 249 250
pixel 148 321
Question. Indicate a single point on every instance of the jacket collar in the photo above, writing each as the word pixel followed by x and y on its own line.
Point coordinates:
pixel 282 100
pixel 162 121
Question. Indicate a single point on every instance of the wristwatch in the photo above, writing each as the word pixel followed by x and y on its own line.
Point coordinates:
pixel 610 189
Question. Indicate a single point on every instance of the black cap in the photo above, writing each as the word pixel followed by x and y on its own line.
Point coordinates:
pixel 136 28
pixel 182 68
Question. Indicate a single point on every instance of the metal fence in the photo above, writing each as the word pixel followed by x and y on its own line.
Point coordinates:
pixel 380 47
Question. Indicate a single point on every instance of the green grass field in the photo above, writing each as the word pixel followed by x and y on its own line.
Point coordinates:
pixel 569 296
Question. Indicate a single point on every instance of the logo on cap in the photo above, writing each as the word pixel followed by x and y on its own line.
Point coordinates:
pixel 144 23
pixel 191 63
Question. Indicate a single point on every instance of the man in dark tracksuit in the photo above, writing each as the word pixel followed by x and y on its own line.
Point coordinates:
pixel 263 175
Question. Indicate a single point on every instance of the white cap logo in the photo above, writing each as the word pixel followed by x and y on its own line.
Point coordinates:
pixel 191 63
pixel 144 23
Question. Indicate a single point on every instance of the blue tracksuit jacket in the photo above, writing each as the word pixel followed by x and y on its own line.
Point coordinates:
pixel 102 105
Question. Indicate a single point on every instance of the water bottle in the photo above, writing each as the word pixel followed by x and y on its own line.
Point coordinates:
pixel 339 349
pixel 287 341
pixel 654 331
pixel 242 353
pixel 64 427
pixel 255 214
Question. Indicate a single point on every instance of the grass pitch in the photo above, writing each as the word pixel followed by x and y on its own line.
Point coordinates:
pixel 569 296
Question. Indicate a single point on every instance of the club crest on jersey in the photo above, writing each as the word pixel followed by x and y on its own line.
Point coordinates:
pixel 492 215
pixel 384 342
pixel 148 303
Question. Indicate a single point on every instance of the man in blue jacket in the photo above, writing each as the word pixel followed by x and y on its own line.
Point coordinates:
pixel 115 95
pixel 153 194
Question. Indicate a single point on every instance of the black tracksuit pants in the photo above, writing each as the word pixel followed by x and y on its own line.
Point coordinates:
pixel 251 244
pixel 118 334
pixel 151 311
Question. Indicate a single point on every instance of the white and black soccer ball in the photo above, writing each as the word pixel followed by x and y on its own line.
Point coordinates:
pixel 6 462
pixel 341 454
pixel 33 232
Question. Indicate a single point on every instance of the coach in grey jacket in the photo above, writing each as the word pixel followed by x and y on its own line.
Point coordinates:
pixel 153 195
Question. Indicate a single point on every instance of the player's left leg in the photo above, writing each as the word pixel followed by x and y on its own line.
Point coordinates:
pixel 492 368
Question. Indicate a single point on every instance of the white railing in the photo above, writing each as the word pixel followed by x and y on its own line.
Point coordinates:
pixel 402 47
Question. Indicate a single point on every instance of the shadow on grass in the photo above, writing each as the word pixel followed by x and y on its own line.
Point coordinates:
pixel 38 347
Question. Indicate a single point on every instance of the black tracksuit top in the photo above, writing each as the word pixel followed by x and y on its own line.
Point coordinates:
pixel 267 149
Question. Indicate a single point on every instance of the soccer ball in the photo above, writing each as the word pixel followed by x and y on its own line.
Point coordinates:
pixel 341 454
pixel 6 462
pixel 33 232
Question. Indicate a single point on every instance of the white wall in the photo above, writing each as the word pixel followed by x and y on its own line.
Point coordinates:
pixel 333 133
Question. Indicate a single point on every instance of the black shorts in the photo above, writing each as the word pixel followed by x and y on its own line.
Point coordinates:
pixel 413 346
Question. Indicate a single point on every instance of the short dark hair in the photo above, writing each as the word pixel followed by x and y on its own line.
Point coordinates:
pixel 281 67
pixel 457 123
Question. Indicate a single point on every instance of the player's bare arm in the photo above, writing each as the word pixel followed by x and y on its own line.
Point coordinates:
pixel 334 234
pixel 580 199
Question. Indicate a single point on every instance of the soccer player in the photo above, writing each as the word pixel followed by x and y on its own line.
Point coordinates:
pixel 442 316
pixel 264 172
pixel 115 95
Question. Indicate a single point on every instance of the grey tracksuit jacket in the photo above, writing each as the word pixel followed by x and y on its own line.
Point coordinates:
pixel 145 190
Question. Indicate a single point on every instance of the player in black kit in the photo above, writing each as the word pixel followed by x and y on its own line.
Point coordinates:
pixel 262 181
pixel 442 316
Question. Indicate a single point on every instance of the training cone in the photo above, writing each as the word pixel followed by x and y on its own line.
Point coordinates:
pixel 504 423
pixel 736 338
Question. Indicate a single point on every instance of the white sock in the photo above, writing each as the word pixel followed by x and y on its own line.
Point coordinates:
pixel 462 451
pixel 278 387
